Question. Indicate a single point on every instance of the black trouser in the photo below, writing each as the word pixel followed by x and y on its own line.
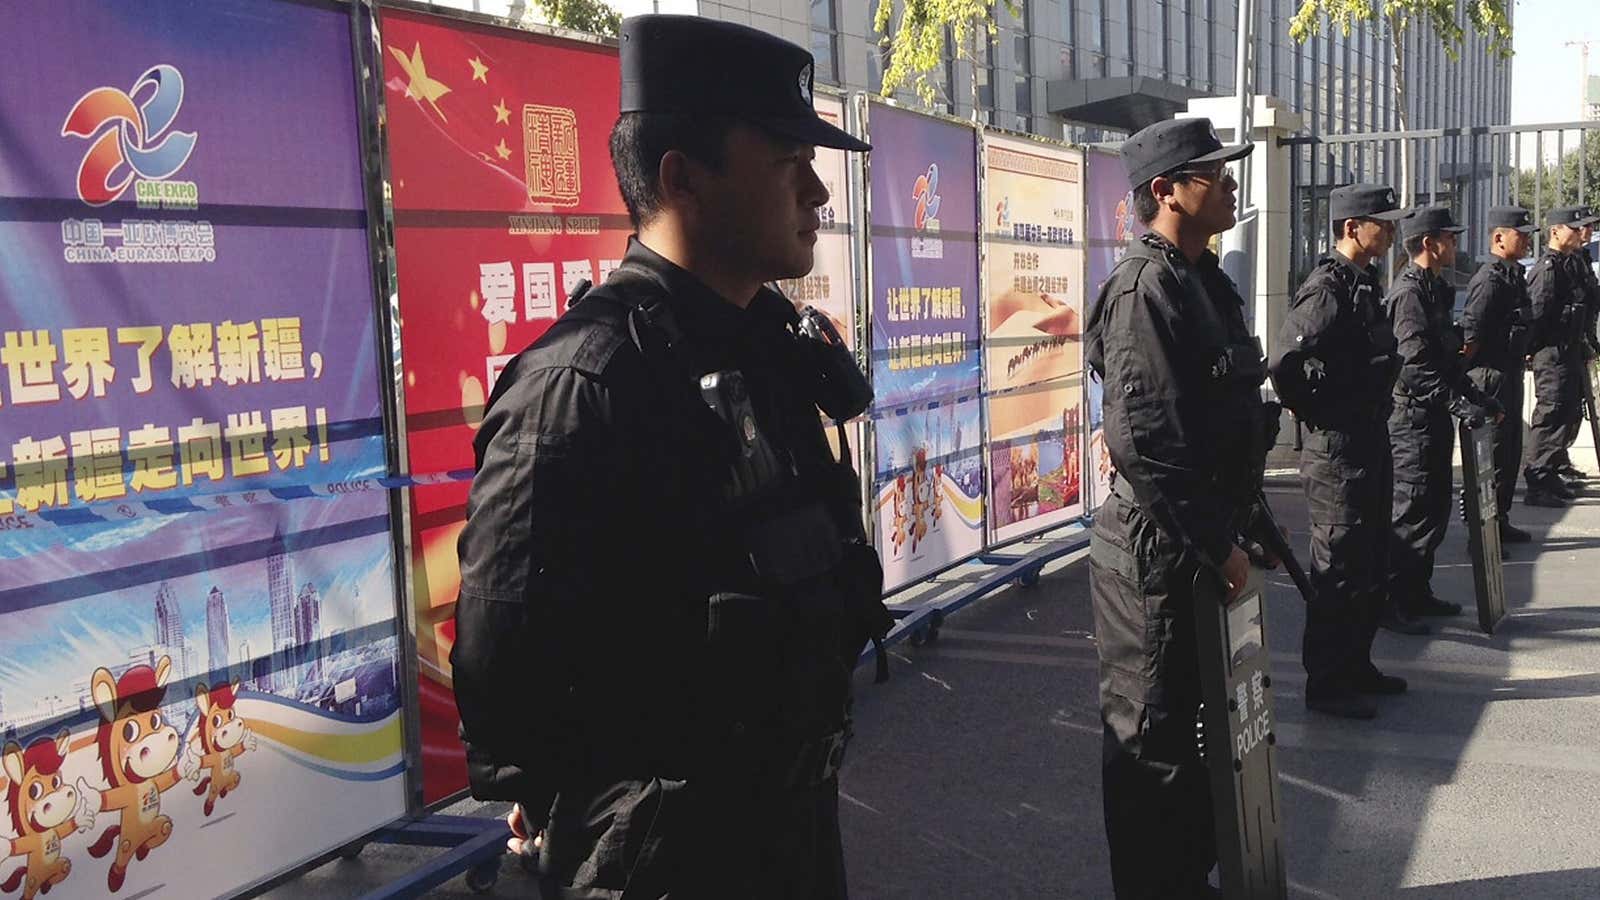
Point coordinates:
pixel 660 839
pixel 1423 439
pixel 1347 476
pixel 1157 796
pixel 1505 387
pixel 1579 363
pixel 1557 412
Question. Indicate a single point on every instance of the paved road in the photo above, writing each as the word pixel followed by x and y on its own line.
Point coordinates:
pixel 975 772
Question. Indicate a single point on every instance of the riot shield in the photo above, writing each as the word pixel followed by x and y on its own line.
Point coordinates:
pixel 1483 523
pixel 1589 410
pixel 1239 740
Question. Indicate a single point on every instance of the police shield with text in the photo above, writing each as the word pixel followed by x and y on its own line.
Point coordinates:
pixel 665 582
pixel 1174 603
pixel 1480 507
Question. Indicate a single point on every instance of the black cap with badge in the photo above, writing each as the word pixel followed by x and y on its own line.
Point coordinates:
pixel 1430 220
pixel 1514 217
pixel 1364 201
pixel 695 65
pixel 1590 217
pixel 1166 146
pixel 1574 216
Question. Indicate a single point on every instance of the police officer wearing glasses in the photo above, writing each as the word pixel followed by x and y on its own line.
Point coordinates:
pixel 664 578
pixel 1183 421
pixel 1335 366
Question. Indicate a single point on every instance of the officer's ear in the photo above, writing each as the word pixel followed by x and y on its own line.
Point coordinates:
pixel 1164 190
pixel 677 179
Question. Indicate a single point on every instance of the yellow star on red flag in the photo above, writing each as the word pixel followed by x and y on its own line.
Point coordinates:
pixel 501 114
pixel 502 149
pixel 420 87
pixel 480 71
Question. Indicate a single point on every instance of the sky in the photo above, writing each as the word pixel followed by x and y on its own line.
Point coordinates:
pixel 1544 73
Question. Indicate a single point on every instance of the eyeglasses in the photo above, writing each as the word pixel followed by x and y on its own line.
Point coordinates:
pixel 1211 172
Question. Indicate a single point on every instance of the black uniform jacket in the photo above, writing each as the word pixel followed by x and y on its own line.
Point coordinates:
pixel 1432 371
pixel 1334 362
pixel 1556 294
pixel 1174 425
pixel 1494 321
pixel 595 535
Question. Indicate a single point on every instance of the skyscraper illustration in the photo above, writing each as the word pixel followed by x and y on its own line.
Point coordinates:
pixel 169 629
pixel 280 589
pixel 217 633
pixel 308 631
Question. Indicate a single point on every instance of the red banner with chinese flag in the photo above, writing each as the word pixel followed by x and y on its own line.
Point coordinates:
pixel 504 199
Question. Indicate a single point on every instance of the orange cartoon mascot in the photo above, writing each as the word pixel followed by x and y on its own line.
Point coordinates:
pixel 221 738
pixel 44 811
pixel 139 755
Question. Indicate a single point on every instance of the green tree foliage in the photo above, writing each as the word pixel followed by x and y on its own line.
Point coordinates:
pixel 1557 184
pixel 1487 17
pixel 917 43
pixel 589 16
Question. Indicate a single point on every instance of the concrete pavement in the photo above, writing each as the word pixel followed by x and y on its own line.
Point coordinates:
pixel 975 772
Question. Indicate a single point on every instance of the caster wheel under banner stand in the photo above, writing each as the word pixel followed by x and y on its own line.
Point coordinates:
pixel 1030 578
pixel 481 878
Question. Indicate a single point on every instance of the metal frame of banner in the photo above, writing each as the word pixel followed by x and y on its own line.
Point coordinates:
pixel 472 846
pixel 986 393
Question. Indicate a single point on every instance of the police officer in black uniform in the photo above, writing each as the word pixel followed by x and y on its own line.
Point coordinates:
pixel 664 581
pixel 1583 270
pixel 1334 365
pixel 1494 325
pixel 1432 388
pixel 1557 294
pixel 1184 419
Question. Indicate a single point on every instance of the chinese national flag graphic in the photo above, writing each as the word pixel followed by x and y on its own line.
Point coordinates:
pixel 504 200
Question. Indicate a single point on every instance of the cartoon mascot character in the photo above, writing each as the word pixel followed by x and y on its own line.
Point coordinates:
pixel 44 811
pixel 220 739
pixel 139 755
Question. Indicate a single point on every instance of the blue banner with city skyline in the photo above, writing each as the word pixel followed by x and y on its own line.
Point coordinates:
pixel 188 326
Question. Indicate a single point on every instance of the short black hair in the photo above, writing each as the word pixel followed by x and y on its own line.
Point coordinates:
pixel 640 140
pixel 1413 243
pixel 1145 206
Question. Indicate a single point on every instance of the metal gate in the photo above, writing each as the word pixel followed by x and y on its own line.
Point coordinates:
pixel 1468 169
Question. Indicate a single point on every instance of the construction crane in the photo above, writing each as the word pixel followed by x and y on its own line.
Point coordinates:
pixel 1588 100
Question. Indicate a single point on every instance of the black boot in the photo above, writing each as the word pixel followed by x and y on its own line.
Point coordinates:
pixel 1511 534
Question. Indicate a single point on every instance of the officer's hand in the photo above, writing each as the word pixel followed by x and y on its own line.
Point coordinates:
pixel 1236 569
pixel 520 842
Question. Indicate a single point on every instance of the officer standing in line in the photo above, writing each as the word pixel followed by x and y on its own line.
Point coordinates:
pixel 1432 387
pixel 1588 345
pixel 1557 298
pixel 1183 419
pixel 664 580
pixel 1494 325
pixel 1334 366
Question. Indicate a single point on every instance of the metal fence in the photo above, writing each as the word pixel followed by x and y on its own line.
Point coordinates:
pixel 1469 169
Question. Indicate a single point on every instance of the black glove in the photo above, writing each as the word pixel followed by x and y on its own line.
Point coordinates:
pixel 1471 414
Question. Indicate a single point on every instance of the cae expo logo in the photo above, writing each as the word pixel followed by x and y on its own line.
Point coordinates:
pixel 134 133
pixel 926 244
